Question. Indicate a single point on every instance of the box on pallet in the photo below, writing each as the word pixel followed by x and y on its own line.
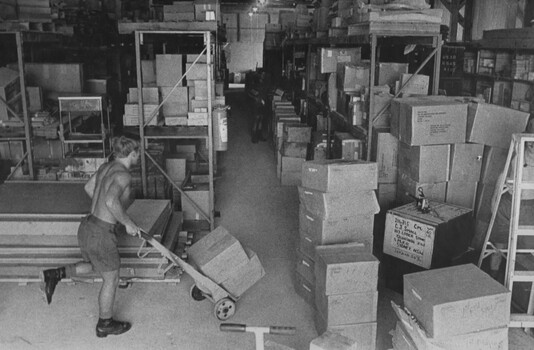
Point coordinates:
pixel 493 125
pixel 218 255
pixel 428 239
pixel 345 268
pixel 456 300
pixel 338 175
pixel 425 163
pixel 349 308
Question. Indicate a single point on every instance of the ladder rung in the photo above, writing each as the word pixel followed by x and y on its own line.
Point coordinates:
pixel 521 321
pixel 524 276
pixel 524 230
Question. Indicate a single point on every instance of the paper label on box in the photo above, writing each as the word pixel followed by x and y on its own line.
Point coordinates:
pixel 223 130
pixel 409 240
pixel 329 53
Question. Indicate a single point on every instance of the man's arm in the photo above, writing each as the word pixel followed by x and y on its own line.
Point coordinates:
pixel 90 186
pixel 114 205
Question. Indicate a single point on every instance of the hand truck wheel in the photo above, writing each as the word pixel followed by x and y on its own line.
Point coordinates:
pixel 224 309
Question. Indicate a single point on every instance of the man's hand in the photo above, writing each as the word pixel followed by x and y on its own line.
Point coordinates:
pixel 133 230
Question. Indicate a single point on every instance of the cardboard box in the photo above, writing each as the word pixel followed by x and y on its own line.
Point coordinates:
pixel 493 125
pixel 338 175
pixel 456 300
pixel 430 122
pixel 330 57
pixel 363 333
pixel 176 120
pixel 341 309
pixel 196 71
pixel 35 98
pixel 408 188
pixel 197 118
pixel 347 147
pixel 345 268
pixel 206 10
pixel 150 95
pixel 56 77
pixel 198 105
pixel 425 163
pixel 381 100
pixel 294 149
pixel 290 178
pixel 390 72
pixel 466 162
pixel 218 255
pixel 297 133
pixel 245 276
pixel 352 77
pixel 176 169
pixel 493 164
pixel 9 88
pixel 428 239
pixel 305 289
pixel 330 340
pixel 168 69
pixel 385 149
pixel 201 90
pixel 177 103
pixel 484 195
pixel 387 196
pixel 462 193
pixel 200 196
pixel 417 86
pixel 358 228
pixel 148 71
pixel 305 267
pixel 332 205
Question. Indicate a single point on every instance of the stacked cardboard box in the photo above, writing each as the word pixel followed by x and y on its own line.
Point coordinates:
pixel 346 293
pixel 335 209
pixel 347 147
pixel 283 112
pixel 222 258
pixel 458 307
pixel 292 151
pixel 179 11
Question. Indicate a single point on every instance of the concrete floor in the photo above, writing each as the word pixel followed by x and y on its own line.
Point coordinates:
pixel 255 209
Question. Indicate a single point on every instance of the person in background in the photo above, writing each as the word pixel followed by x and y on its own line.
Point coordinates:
pixel 501 227
pixel 110 191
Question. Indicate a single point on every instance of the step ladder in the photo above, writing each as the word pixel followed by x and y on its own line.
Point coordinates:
pixel 517 150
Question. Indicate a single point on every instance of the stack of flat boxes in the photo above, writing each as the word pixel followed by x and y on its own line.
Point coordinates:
pixel 459 307
pixel 284 113
pixel 336 216
pixel 292 150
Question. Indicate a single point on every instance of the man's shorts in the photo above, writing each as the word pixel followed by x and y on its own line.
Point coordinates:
pixel 98 243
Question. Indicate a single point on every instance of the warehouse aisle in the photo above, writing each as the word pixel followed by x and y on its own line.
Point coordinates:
pixel 255 209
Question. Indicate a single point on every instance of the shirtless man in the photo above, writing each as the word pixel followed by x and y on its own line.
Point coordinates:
pixel 109 189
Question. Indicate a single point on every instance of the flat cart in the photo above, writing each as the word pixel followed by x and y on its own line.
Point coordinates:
pixel 204 288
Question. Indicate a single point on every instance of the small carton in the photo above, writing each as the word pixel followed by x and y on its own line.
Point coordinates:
pixel 330 205
pixel 218 255
pixel 345 268
pixel 456 300
pixel 330 57
pixel 338 175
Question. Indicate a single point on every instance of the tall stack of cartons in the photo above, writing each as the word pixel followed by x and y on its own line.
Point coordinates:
pixel 452 308
pixel 168 73
pixel 337 208
pixel 292 151
pixel 346 293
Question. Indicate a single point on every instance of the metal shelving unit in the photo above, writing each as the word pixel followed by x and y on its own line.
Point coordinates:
pixel 374 39
pixel 21 38
pixel 169 132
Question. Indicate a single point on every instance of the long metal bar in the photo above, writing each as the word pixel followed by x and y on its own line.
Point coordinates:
pixel 27 120
pixel 372 79
pixel 437 66
pixel 207 42
pixel 141 111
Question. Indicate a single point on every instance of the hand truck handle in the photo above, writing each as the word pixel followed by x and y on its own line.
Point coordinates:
pixel 233 327
pixel 282 330
pixel 236 327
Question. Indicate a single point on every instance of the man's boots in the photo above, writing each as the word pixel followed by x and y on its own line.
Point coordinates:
pixel 49 281
pixel 109 326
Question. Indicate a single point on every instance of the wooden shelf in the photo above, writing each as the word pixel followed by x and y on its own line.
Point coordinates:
pixel 130 27
pixel 171 132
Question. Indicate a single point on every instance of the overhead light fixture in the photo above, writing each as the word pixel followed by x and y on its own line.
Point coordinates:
pixel 255 9
pixel 250 13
